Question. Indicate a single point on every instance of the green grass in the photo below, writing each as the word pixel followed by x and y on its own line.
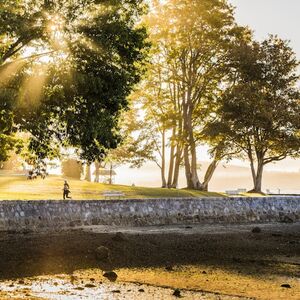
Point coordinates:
pixel 19 188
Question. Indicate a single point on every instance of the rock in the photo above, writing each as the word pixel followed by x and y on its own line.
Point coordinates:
pixel 102 253
pixel 204 272
pixel 119 237
pixel 89 285
pixel 169 268
pixel 286 285
pixel 73 279
pixel 188 227
pixel 276 234
pixel 256 230
pixel 79 288
pixel 92 279
pixel 116 291
pixel 177 293
pixel 141 290
pixel 21 282
pixel 287 219
pixel 111 275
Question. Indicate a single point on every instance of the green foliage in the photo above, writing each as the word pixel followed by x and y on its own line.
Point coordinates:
pixel 259 112
pixel 94 53
pixel 8 141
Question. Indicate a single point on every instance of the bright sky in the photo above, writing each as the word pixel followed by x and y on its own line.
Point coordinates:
pixel 279 17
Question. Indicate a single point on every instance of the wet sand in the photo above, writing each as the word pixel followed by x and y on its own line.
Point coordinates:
pixel 202 261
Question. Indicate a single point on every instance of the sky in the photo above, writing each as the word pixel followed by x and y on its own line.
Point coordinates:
pixel 280 17
pixel 265 17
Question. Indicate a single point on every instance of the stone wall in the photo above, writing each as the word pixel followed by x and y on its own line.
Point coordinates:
pixel 50 214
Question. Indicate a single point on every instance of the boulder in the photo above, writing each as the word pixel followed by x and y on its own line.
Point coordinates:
pixel 102 253
pixel 177 293
pixel 111 275
pixel 256 230
pixel 89 285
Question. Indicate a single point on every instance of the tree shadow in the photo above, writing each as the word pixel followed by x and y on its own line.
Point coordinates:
pixel 244 253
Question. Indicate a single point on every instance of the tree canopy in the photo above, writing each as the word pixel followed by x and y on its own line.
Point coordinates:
pixel 67 68
pixel 259 111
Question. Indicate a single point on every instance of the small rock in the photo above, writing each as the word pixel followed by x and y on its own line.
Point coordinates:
pixel 111 275
pixel 116 291
pixel 276 234
pixel 21 282
pixel 141 290
pixel 11 285
pixel 286 285
pixel 119 237
pixel 79 288
pixel 256 230
pixel 55 283
pixel 287 219
pixel 169 268
pixel 188 227
pixel 89 285
pixel 73 279
pixel 204 272
pixel 102 253
pixel 92 279
pixel 177 293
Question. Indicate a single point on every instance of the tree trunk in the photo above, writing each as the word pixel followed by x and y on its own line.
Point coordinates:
pixel 110 173
pixel 177 167
pixel 190 155
pixel 195 179
pixel 172 159
pixel 88 175
pixel 97 173
pixel 187 167
pixel 258 179
pixel 209 173
pixel 163 160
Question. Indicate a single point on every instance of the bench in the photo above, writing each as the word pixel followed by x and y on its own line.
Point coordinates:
pixel 236 192
pixel 111 194
pixel 232 192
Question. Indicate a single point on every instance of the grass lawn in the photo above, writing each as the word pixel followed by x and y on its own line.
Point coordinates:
pixel 19 188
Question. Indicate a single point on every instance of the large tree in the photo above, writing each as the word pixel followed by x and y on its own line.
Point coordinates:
pixel 192 40
pixel 259 112
pixel 69 67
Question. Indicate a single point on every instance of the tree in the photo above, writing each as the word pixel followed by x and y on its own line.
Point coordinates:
pixel 192 39
pixel 259 112
pixel 8 141
pixel 82 58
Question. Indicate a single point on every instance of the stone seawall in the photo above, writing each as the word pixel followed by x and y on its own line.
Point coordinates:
pixel 51 214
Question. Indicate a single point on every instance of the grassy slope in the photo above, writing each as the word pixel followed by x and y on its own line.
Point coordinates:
pixel 18 188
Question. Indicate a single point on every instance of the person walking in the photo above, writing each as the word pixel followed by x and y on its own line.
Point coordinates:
pixel 66 190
